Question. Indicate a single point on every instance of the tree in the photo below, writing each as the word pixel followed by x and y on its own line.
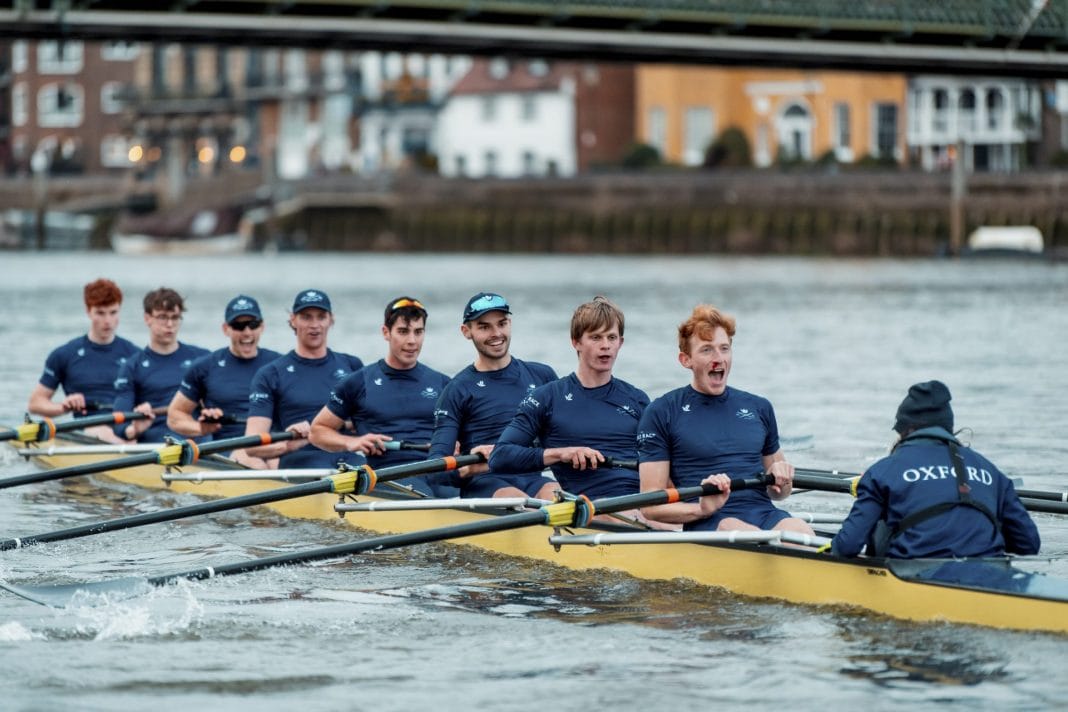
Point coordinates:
pixel 730 150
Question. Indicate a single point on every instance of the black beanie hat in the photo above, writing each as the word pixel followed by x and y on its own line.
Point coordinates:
pixel 926 404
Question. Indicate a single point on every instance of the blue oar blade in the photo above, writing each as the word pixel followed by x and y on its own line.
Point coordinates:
pixel 83 593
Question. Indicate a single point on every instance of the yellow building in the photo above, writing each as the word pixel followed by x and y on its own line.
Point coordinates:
pixel 785 114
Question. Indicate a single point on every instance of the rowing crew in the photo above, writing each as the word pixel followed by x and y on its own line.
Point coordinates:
pixel 524 419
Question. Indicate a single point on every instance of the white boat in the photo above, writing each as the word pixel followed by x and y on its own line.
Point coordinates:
pixel 204 231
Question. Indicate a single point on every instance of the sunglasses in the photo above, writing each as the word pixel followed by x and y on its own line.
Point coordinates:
pixel 401 303
pixel 243 325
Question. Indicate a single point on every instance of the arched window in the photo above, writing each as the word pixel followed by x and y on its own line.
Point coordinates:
pixel 995 109
pixel 795 133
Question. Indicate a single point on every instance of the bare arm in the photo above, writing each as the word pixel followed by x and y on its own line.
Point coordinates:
pixel 776 465
pixel 180 417
pixel 326 435
pixel 657 476
pixel 41 402
pixel 257 425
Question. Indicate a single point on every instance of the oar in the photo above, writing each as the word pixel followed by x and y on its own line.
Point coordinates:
pixel 405 445
pixel 359 480
pixel 1032 500
pixel 178 453
pixel 1026 493
pixel 569 513
pixel 46 428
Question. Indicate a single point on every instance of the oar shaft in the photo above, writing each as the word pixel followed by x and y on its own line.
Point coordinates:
pixel 42 430
pixel 249 500
pixel 148 458
pixel 1042 505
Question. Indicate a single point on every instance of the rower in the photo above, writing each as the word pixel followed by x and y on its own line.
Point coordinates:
pixel 933 497
pixel 708 427
pixel 218 384
pixel 288 392
pixel 571 424
pixel 391 400
pixel 151 376
pixel 480 401
pixel 86 367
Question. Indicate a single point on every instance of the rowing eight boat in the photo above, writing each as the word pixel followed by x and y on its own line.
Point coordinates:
pixel 761 569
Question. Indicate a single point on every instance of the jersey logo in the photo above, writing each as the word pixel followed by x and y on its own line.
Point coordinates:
pixel 378 381
pixel 81 352
pixel 256 397
pixel 340 373
pixel 481 384
pixel 686 408
pixel 626 410
pixel 122 361
pixel 185 385
pixel 745 414
pixel 291 369
pixel 337 399
pixel 531 387
pixel 222 363
pixel 569 396
pixel 146 363
pixel 529 401
pixel 429 392
pixel 642 437
pixel 187 363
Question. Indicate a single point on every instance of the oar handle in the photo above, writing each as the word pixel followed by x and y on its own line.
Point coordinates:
pixel 405 445
pixel 46 428
pixel 226 419
pixel 610 462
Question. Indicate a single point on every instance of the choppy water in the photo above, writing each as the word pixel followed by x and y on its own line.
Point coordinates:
pixel 833 344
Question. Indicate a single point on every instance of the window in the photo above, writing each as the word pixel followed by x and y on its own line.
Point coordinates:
pixel 114 151
pixel 54 57
pixel 886 130
pixel 490 159
pixel 296 71
pixel 20 56
pixel 120 51
pixel 940 121
pixel 656 131
pixel 538 68
pixel 60 105
pixel 20 107
pixel 111 97
pixel 333 70
pixel 528 110
pixel 966 108
pixel 489 108
pixel 843 137
pixel 461 166
pixel 392 66
pixel 795 133
pixel 697 133
pixel 498 68
pixel 915 102
pixel 995 108
pixel 530 163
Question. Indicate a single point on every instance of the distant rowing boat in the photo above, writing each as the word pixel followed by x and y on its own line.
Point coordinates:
pixel 760 569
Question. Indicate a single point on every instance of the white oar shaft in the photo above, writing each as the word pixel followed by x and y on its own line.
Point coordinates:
pixel 729 537
pixel 473 504
pixel 117 449
pixel 294 475
pixel 818 518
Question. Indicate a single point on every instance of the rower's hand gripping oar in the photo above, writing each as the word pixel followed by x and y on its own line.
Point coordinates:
pixel 174 454
pixel 37 431
pixel 358 480
pixel 575 512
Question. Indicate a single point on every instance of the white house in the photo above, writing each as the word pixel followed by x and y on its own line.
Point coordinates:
pixel 993 117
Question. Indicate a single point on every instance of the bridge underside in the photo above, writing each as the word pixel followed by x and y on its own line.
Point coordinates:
pixel 1009 37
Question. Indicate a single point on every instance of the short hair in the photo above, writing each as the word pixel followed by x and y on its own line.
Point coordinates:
pixel 163 299
pixel 595 315
pixel 703 322
pixel 407 308
pixel 102 293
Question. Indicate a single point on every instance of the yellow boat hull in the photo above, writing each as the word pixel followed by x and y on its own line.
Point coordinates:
pixel 792 575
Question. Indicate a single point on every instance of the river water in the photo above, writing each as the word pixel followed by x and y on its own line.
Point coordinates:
pixel 834 344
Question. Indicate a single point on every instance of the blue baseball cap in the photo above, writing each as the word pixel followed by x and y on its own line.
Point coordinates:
pixel 483 303
pixel 242 305
pixel 311 298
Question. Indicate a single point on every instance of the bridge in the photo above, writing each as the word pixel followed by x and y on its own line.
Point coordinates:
pixel 1025 38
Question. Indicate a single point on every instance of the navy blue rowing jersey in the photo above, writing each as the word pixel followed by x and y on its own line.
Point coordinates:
pixel 81 366
pixel 919 474
pixel 386 400
pixel 705 435
pixel 221 380
pixel 292 389
pixel 151 377
pixel 564 413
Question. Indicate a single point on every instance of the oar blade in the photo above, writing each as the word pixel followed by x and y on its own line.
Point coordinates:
pixel 87 593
